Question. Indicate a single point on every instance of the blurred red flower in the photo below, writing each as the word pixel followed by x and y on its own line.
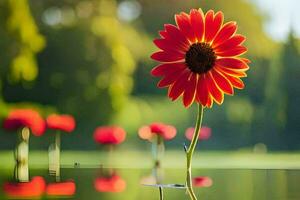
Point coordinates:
pixel 34 188
pixel 61 122
pixel 67 188
pixel 202 181
pixel 109 135
pixel 200 58
pixel 205 133
pixel 19 118
pixel 167 132
pixel 112 184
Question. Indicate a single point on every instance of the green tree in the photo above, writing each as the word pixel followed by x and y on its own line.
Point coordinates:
pixel 291 90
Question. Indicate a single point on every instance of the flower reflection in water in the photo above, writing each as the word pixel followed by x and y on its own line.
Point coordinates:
pixel 110 182
pixel 202 181
pixel 156 177
pixel 67 188
pixel 33 189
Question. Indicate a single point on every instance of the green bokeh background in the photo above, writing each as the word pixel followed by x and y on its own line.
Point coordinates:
pixel 86 59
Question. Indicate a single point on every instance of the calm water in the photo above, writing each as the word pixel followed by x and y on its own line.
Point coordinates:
pixel 120 184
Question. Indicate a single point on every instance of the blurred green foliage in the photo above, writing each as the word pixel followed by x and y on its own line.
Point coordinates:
pixel 23 40
pixel 95 65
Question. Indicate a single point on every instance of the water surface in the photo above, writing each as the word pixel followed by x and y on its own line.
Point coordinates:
pixel 120 184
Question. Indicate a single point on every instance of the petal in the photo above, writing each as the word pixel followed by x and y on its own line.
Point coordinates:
pixel 175 44
pixel 232 63
pixel 189 93
pixel 175 35
pixel 167 68
pixel 213 24
pixel 215 92
pixel 236 40
pixel 163 56
pixel 232 72
pixel 246 60
pixel 163 34
pixel 197 23
pixel 180 84
pixel 183 22
pixel 235 81
pixel 209 101
pixel 169 79
pixel 202 94
pixel 236 51
pixel 166 45
pixel 226 32
pixel 222 82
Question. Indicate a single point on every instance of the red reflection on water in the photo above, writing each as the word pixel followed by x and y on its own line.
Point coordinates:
pixel 205 133
pixel 34 188
pixel 113 184
pixel 109 135
pixel 67 188
pixel 202 181
pixel 61 122
pixel 167 132
pixel 19 118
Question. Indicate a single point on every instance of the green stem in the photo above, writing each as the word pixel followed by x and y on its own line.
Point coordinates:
pixel 57 149
pixel 190 151
pixel 161 193
pixel 160 149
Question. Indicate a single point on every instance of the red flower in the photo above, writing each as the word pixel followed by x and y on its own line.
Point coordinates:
pixel 112 184
pixel 61 122
pixel 167 132
pixel 205 133
pixel 34 188
pixel 200 58
pixel 109 135
pixel 61 189
pixel 19 118
pixel 202 181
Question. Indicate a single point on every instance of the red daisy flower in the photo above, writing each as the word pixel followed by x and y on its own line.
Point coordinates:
pixel 200 58
pixel 19 118
pixel 33 189
pixel 167 132
pixel 113 184
pixel 67 188
pixel 61 122
pixel 205 133
pixel 109 135
pixel 202 181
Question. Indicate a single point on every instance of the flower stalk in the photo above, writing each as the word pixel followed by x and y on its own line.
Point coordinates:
pixel 54 156
pixel 190 152
pixel 21 156
pixel 158 149
pixel 57 149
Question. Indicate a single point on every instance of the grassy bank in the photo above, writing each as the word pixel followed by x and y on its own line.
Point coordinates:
pixel 172 159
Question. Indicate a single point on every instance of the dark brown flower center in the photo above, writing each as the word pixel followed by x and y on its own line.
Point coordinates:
pixel 200 58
